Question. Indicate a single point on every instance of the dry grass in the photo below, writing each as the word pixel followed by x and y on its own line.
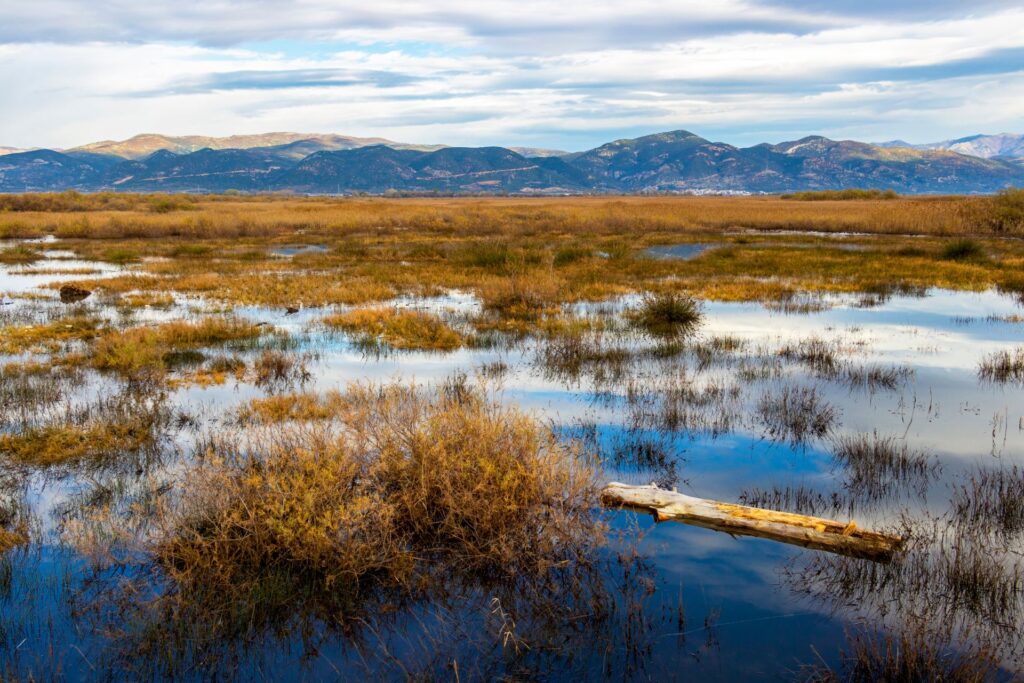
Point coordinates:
pixel 47 337
pixel 398 328
pixel 14 527
pixel 19 255
pixel 397 481
pixel 105 431
pixel 140 351
pixel 303 407
pixel 906 658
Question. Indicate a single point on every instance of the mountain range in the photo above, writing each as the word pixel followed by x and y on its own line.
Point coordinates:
pixel 676 161
pixel 1007 146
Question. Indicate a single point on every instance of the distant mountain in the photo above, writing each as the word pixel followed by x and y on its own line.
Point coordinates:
pixel 142 146
pixel 676 161
pixel 9 150
pixel 531 152
pixel 46 170
pixel 683 161
pixel 451 169
pixel 1007 146
pixel 205 170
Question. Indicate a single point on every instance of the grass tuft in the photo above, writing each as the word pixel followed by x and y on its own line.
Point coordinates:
pixel 667 315
pixel 399 329
pixel 1003 366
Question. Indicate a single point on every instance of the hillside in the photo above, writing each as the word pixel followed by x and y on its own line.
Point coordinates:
pixel 675 161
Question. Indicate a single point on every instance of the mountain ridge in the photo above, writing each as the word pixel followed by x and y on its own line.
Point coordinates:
pixel 676 161
pixel 1006 146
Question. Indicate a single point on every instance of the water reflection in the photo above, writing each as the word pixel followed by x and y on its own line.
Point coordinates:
pixel 911 442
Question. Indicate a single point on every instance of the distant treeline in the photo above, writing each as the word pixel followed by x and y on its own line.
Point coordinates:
pixel 70 200
pixel 832 195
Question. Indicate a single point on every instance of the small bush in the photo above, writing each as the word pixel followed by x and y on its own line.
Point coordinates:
pixel 120 256
pixel 566 255
pixel 402 480
pixel 667 315
pixel 169 203
pixel 842 195
pixel 19 255
pixel 963 250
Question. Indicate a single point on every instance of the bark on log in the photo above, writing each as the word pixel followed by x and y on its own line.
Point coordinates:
pixel 787 527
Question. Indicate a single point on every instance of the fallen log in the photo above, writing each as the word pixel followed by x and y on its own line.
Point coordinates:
pixel 787 527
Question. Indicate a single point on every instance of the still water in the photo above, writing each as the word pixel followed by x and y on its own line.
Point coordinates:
pixel 699 604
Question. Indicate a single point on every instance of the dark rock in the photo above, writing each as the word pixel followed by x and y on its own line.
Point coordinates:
pixel 70 294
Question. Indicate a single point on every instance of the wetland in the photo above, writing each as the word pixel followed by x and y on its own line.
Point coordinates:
pixel 249 436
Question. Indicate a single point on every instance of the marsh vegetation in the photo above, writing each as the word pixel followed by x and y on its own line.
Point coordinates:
pixel 366 438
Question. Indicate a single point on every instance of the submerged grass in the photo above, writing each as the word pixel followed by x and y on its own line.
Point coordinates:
pixel 905 658
pixel 1003 366
pixel 795 414
pixel 991 500
pixel 14 526
pixel 876 466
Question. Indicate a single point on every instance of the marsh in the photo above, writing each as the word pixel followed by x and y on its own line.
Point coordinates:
pixel 380 454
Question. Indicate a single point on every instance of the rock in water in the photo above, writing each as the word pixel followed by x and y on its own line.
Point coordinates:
pixel 70 294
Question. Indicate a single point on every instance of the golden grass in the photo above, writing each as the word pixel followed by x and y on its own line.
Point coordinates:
pixel 105 431
pixel 304 407
pixel 399 482
pixel 14 527
pixel 70 443
pixel 140 350
pixel 19 255
pixel 225 217
pixel 47 337
pixel 398 328
pixel 524 258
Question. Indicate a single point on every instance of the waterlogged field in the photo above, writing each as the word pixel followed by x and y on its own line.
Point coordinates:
pixel 321 439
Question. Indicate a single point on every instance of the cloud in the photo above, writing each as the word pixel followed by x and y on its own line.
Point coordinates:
pixel 535 72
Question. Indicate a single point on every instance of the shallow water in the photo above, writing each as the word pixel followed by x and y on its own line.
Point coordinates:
pixel 296 250
pixel 684 252
pixel 722 608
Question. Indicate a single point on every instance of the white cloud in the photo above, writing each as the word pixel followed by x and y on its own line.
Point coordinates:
pixel 473 77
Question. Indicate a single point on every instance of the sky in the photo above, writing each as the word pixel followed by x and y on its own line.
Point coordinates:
pixel 565 74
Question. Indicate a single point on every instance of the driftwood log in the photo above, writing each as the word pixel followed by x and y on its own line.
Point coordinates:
pixel 787 527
